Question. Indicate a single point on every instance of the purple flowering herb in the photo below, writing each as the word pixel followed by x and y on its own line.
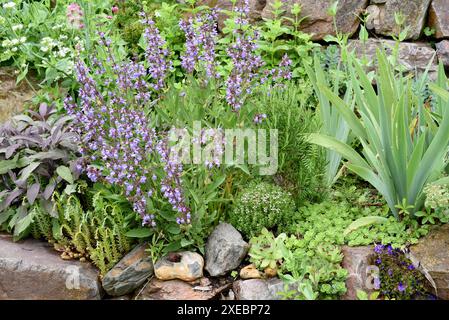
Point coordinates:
pixel 75 15
pixel 156 55
pixel 401 287
pixel 411 267
pixel 245 69
pixel 378 261
pixel 258 118
pixel 171 185
pixel 116 142
pixel 378 248
pixel 201 36
pixel 377 283
pixel 242 11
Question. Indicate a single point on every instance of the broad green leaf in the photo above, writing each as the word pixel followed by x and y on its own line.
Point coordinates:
pixel 139 233
pixel 65 173
pixel 362 222
pixel 338 146
pixel 6 165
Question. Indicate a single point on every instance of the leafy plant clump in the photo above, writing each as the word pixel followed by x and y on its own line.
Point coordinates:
pixel 261 205
pixel 94 231
pixel 332 222
pixel 38 155
pixel 403 147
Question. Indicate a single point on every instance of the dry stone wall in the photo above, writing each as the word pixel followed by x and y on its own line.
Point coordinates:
pixel 417 16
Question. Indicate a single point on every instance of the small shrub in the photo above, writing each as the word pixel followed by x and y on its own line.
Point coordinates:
pixel 261 205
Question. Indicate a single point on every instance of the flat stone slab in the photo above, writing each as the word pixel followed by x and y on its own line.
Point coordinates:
pixel 413 57
pixel 179 290
pixel 431 257
pixel 33 270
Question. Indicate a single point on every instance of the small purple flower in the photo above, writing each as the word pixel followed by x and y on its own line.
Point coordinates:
pixel 390 272
pixel 258 118
pixel 411 267
pixel 390 250
pixel 401 287
pixel 378 261
pixel 377 283
pixel 378 248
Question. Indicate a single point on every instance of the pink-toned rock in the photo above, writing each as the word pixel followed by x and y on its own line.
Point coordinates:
pixel 414 13
pixel 443 52
pixel 439 18
pixel 32 270
pixel 255 9
pixel 178 290
pixel 358 262
pixel 431 257
pixel 317 21
pixel 413 57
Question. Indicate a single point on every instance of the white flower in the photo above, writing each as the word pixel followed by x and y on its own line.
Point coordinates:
pixel 63 37
pixel 63 52
pixel 9 5
pixel 15 42
pixel 22 39
pixel 2 20
pixel 17 27
pixel 6 43
pixel 14 49
pixel 47 44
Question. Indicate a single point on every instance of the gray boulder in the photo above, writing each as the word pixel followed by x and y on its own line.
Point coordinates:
pixel 225 250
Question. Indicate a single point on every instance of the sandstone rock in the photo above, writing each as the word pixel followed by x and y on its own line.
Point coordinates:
pixel 188 267
pixel 414 13
pixel 255 8
pixel 431 256
pixel 443 52
pixel 258 289
pixel 373 19
pixel 439 18
pixel 177 290
pixel 414 57
pixel 32 270
pixel 250 272
pixel 317 21
pixel 270 272
pixel 130 273
pixel 225 250
pixel 357 260
pixel 13 96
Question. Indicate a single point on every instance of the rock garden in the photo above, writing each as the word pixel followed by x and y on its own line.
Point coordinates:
pixel 224 150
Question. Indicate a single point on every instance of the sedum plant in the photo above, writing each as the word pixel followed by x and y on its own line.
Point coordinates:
pixel 404 143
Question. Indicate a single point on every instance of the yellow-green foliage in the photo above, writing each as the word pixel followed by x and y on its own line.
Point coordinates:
pixel 97 234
